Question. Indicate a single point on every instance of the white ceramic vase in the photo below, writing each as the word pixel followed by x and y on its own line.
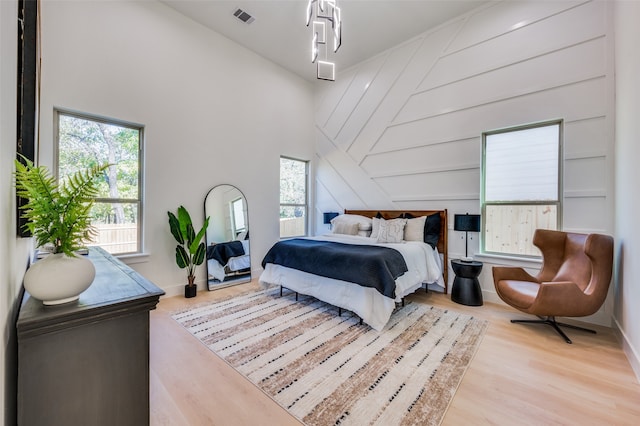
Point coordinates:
pixel 59 278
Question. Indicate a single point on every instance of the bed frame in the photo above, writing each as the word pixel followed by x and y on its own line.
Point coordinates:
pixel 443 245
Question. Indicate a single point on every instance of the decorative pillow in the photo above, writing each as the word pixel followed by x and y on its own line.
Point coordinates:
pixel 364 223
pixel 364 233
pixel 391 231
pixel 414 229
pixel 431 228
pixel 345 228
pixel 375 225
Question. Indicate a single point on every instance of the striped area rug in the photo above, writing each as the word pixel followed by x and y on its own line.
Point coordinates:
pixel 325 369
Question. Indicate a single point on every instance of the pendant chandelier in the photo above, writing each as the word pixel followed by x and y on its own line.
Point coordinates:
pixel 320 15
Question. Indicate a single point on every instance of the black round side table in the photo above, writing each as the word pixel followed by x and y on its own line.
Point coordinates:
pixel 466 287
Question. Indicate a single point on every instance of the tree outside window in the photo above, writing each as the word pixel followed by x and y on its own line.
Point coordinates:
pixel 293 197
pixel 84 141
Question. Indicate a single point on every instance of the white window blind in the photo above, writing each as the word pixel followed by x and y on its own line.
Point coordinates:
pixel 522 179
pixel 522 165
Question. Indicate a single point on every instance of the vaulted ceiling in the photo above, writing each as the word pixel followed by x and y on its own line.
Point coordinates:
pixel 278 31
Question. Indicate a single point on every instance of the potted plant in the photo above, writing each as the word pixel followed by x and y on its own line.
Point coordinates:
pixel 191 250
pixel 58 217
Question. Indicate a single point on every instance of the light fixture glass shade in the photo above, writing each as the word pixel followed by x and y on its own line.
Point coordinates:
pixel 320 15
pixel 326 70
pixel 319 30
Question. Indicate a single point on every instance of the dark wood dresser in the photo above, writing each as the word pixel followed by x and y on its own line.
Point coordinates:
pixel 87 362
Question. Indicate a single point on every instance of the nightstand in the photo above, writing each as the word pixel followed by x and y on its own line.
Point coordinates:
pixel 466 287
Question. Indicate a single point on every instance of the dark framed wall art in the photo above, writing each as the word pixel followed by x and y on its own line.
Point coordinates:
pixel 27 111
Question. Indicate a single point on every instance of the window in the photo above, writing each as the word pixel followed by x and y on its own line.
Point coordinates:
pixel 293 197
pixel 237 216
pixel 84 141
pixel 521 186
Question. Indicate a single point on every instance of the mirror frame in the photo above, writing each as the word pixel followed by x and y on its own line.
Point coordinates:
pixel 245 275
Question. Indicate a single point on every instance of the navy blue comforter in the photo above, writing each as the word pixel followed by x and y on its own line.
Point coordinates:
pixel 222 252
pixel 369 266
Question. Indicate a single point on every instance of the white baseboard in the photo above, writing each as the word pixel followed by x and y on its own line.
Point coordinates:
pixel 628 348
pixel 178 289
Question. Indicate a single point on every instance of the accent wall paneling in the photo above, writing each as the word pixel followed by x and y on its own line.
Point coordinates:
pixel 412 74
pixel 386 75
pixel 352 100
pixel 403 129
pixel 455 155
pixel 527 38
pixel 574 101
pixel 504 82
pixel 585 175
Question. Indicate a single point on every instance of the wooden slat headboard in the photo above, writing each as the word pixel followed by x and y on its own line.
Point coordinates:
pixel 443 245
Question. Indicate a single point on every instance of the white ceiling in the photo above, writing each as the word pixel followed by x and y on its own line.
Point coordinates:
pixel 279 32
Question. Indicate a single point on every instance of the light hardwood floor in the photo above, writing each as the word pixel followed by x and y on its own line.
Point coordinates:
pixel 521 375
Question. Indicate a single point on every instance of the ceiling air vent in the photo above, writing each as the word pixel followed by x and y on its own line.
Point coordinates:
pixel 243 16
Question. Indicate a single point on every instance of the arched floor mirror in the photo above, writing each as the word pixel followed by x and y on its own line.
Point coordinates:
pixel 228 255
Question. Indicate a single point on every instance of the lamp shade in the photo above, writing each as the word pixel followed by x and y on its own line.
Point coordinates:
pixel 466 222
pixel 328 216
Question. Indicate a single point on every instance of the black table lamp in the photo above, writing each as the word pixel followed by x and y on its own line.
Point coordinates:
pixel 467 223
pixel 327 217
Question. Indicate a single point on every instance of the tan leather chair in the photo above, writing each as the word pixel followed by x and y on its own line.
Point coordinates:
pixel 573 281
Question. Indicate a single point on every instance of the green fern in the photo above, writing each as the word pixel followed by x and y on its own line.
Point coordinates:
pixel 57 214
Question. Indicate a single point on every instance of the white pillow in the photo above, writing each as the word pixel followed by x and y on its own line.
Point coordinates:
pixel 391 231
pixel 375 227
pixel 345 228
pixel 414 230
pixel 364 223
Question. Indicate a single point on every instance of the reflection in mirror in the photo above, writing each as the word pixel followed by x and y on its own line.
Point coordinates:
pixel 227 237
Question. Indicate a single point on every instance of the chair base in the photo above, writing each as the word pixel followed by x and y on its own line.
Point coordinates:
pixel 551 320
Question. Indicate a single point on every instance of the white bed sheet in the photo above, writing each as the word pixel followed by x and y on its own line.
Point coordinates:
pixel 423 263
pixel 216 270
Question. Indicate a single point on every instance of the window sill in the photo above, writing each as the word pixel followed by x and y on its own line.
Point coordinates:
pixel 130 259
pixel 524 262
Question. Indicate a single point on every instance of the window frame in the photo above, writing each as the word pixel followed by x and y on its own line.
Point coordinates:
pixel 57 112
pixel 306 194
pixel 560 194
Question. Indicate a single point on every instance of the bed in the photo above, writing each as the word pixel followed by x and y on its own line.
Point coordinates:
pixel 324 277
pixel 228 259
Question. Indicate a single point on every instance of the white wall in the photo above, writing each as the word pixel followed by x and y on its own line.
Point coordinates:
pixel 627 275
pixel 213 112
pixel 403 129
pixel 8 29
pixel 14 252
